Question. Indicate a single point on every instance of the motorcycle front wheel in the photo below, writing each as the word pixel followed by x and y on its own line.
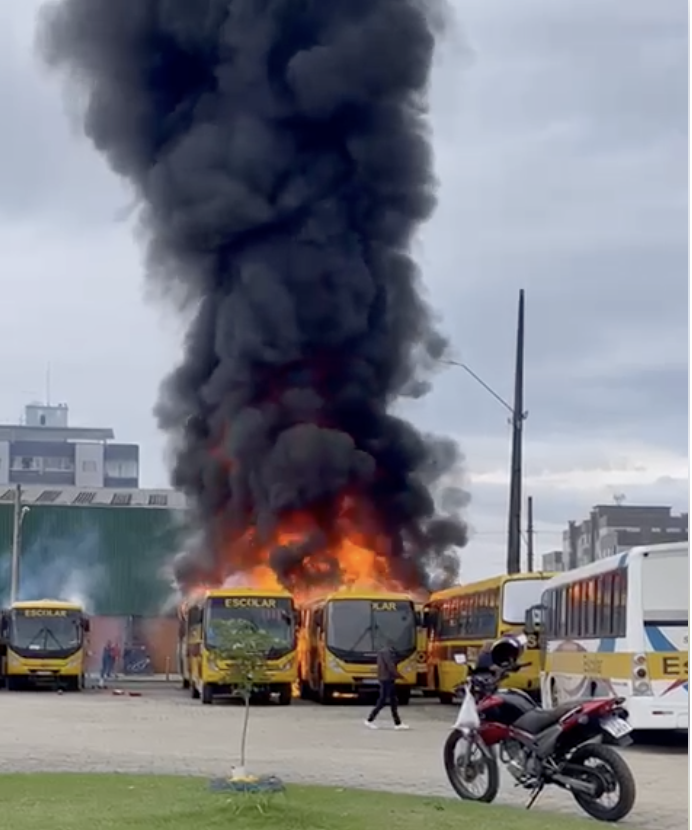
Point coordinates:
pixel 471 767
pixel 618 788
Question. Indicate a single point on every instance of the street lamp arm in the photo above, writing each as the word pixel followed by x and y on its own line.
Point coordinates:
pixel 485 386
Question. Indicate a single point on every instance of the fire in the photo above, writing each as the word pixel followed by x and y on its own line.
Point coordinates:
pixel 352 555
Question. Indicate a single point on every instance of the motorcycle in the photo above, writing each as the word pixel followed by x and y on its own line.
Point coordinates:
pixel 570 746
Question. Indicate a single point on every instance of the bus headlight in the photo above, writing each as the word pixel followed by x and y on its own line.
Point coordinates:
pixel 333 665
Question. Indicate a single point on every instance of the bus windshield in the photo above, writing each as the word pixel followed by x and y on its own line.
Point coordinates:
pixel 518 596
pixel 363 626
pixel 49 632
pixel 274 616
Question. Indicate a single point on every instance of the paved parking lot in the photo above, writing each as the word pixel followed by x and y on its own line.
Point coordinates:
pixel 163 731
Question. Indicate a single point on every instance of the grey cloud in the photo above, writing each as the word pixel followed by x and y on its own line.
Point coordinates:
pixel 46 168
pixel 569 181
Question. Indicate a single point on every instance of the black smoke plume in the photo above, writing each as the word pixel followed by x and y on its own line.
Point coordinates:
pixel 279 153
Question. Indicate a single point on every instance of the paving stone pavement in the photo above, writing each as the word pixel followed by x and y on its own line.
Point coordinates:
pixel 163 731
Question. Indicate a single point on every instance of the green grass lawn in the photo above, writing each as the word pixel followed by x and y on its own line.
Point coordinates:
pixel 127 802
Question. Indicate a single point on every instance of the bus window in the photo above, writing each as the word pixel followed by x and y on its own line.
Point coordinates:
pixel 605 623
pixel 589 621
pixel 619 603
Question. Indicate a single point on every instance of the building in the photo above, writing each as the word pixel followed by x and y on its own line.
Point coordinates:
pixel 110 549
pixel 611 528
pixel 553 562
pixel 45 450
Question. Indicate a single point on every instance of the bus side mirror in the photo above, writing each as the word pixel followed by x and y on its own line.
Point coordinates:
pixel 318 619
pixel 533 620
pixel 4 625
pixel 86 625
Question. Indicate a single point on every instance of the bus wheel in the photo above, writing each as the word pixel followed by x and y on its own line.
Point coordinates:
pixel 207 694
pixel 446 698
pixel 326 694
pixel 285 694
pixel 14 684
pixel 403 696
pixel 194 691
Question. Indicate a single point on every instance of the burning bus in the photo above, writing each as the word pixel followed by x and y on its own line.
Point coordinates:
pixel 271 611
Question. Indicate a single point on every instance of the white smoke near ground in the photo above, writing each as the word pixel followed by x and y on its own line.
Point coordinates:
pixel 64 568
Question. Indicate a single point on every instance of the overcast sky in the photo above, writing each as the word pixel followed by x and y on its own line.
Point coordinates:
pixel 561 141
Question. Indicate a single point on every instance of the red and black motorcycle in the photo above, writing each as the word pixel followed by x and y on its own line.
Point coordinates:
pixel 570 746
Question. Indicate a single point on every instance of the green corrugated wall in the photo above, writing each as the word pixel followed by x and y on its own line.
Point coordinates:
pixel 115 558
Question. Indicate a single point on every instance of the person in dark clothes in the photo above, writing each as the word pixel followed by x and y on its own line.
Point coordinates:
pixel 387 675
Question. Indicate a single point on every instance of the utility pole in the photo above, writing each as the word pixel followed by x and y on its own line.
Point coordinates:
pixel 17 519
pixel 518 417
pixel 529 534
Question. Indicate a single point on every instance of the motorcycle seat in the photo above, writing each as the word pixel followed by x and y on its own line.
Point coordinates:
pixel 536 720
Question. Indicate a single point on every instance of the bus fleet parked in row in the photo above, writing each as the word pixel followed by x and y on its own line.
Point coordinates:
pixel 618 626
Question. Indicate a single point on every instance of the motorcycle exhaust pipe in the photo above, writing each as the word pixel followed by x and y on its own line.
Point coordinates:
pixel 574 785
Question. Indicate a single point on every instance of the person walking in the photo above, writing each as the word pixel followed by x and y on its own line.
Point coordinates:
pixel 387 675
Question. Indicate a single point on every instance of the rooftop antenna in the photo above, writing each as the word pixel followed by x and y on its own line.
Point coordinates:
pixel 48 385
pixel 619 498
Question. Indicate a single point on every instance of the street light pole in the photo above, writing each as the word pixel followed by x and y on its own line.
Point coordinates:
pixel 518 417
pixel 17 520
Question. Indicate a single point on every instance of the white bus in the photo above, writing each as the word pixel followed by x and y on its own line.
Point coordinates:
pixel 619 627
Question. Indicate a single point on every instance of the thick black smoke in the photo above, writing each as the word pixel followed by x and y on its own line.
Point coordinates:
pixel 279 151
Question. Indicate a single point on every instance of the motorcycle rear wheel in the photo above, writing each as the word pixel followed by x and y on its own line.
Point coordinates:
pixel 460 778
pixel 613 765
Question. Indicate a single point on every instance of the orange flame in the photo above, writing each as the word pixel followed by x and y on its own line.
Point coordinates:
pixel 354 556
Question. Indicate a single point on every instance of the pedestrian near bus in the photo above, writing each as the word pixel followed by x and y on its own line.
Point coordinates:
pixel 387 675
pixel 106 662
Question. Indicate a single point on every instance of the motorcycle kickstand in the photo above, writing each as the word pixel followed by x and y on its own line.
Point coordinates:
pixel 534 795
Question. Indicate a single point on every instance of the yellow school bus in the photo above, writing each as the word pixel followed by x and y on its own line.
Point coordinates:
pixel 44 644
pixel 421 649
pixel 272 611
pixel 340 637
pixel 462 619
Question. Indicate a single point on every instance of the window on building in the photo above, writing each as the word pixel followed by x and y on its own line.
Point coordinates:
pixel 121 469
pixel 89 466
pixel 26 463
pixel 58 465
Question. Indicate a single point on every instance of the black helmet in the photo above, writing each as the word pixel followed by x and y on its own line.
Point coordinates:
pixel 508 650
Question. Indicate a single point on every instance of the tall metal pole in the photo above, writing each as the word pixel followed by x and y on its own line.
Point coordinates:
pixel 16 543
pixel 529 535
pixel 518 416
